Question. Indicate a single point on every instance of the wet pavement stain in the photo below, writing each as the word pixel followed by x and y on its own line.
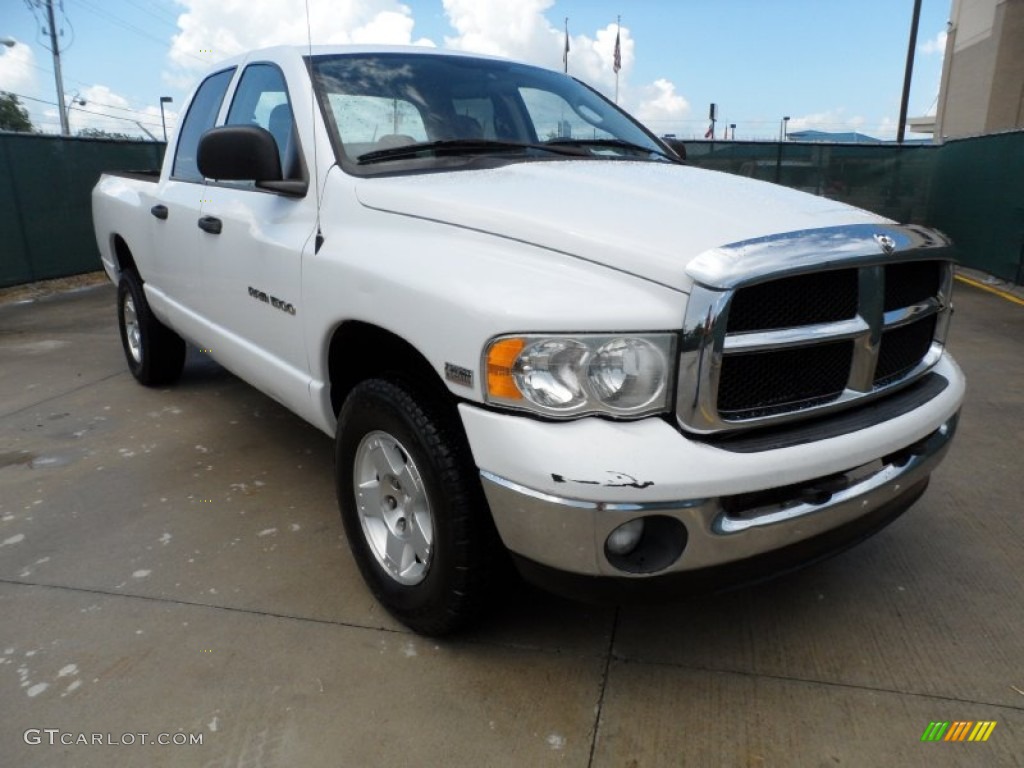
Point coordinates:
pixel 14 458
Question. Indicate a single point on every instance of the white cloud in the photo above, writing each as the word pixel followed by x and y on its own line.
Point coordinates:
pixel 887 129
pixel 522 31
pixel 935 45
pixel 106 110
pixel 661 109
pixel 835 120
pixel 18 69
pixel 211 30
pixel 516 30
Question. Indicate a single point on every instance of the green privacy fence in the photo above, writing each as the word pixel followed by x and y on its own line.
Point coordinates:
pixel 978 200
pixel 45 209
pixel 888 179
pixel 971 189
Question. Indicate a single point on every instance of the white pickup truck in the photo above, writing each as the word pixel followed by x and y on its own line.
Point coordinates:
pixel 531 329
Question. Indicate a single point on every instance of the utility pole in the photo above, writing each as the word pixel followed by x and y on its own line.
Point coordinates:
pixel 65 129
pixel 902 127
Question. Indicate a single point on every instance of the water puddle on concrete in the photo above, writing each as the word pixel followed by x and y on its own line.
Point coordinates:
pixel 15 458
pixel 32 460
pixel 39 347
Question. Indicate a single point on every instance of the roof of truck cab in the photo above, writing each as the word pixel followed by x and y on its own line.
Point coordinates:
pixel 322 50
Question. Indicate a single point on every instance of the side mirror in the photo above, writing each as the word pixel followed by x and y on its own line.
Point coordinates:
pixel 239 153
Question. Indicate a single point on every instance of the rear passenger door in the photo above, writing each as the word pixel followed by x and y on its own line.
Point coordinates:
pixel 252 267
pixel 177 267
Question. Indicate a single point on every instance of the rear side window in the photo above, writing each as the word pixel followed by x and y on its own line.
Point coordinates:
pixel 202 114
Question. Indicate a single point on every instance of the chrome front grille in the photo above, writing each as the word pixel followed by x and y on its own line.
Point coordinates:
pixel 802 332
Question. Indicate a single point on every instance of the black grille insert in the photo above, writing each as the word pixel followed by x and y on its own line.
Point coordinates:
pixel 760 384
pixel 903 348
pixel 821 297
pixel 911 283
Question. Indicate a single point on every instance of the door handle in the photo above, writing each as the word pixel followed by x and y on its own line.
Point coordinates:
pixel 160 211
pixel 210 224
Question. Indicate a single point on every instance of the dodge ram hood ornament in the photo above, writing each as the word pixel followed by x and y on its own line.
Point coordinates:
pixel 887 243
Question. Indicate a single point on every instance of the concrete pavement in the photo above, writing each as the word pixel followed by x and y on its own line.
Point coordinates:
pixel 172 562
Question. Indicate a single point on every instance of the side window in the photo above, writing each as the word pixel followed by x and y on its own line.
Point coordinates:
pixel 261 99
pixel 202 114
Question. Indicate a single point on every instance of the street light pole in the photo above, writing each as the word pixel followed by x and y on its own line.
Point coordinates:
pixel 76 99
pixel 163 120
pixel 55 50
pixel 784 128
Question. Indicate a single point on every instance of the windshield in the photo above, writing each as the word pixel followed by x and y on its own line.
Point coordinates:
pixel 409 111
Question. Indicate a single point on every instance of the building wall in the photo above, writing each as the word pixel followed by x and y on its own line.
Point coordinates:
pixel 982 87
pixel 1006 107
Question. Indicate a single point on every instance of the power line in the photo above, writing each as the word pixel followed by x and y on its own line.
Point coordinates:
pixel 117 21
pixel 87 111
pixel 111 18
pixel 128 109
pixel 92 101
pixel 118 117
pixel 162 16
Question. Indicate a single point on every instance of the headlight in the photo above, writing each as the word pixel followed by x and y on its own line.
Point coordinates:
pixel 567 376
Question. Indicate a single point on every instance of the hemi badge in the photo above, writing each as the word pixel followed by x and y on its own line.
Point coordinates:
pixel 458 375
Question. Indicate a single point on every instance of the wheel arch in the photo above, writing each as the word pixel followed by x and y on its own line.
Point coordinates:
pixel 358 351
pixel 122 254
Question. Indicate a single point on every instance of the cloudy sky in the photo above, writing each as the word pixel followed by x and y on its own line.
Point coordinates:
pixel 828 64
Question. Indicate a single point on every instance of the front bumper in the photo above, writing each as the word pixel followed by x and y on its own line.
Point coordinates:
pixel 750 570
pixel 570 534
pixel 732 508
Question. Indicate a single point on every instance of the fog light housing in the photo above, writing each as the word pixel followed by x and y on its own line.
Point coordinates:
pixel 646 544
pixel 624 539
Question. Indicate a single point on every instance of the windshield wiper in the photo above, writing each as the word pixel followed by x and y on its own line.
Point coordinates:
pixel 614 144
pixel 461 147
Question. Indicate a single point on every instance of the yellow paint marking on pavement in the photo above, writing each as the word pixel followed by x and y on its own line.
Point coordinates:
pixel 1002 294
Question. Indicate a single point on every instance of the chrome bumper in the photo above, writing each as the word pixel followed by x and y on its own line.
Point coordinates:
pixel 569 535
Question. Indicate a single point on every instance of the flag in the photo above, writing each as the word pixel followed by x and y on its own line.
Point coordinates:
pixel 565 52
pixel 617 59
pixel 710 132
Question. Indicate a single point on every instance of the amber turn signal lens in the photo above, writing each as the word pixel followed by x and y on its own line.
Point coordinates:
pixel 500 359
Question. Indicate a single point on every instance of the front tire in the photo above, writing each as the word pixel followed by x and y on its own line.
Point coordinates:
pixel 155 354
pixel 413 509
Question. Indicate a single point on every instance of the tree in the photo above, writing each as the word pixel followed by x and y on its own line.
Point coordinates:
pixel 13 116
pixel 99 133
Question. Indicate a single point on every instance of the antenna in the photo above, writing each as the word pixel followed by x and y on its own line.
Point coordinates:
pixel 312 114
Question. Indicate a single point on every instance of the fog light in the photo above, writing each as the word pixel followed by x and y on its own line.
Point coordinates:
pixel 624 539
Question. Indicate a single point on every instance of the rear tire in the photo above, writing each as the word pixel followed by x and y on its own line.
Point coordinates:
pixel 414 512
pixel 155 353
